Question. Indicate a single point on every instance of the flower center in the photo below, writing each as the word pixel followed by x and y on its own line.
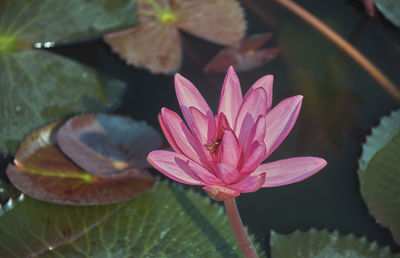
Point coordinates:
pixel 165 16
pixel 213 147
pixel 168 18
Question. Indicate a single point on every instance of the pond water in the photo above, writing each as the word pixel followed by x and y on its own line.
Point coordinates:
pixel 341 104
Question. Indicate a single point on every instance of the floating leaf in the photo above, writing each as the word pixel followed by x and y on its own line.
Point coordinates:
pixel 165 222
pixel 246 56
pixel 38 87
pixel 42 171
pixel 32 21
pixel 379 173
pixel 390 9
pixel 324 244
pixel 32 226
pixel 155 42
pixel 105 145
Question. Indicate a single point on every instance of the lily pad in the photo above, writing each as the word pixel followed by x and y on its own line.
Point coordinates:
pixel 106 145
pixel 42 171
pixel 33 21
pixel 38 87
pixel 321 244
pixel 165 222
pixel 155 43
pixel 390 9
pixel 379 173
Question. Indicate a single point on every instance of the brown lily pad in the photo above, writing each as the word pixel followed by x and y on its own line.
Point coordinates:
pixel 246 56
pixel 42 171
pixel 107 145
pixel 155 42
pixel 148 45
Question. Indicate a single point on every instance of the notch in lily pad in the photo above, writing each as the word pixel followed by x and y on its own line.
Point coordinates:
pixel 90 176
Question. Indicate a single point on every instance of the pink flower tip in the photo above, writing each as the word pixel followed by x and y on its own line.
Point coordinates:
pixel 224 153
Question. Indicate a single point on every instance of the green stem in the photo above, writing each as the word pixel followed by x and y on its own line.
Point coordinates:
pixel 242 238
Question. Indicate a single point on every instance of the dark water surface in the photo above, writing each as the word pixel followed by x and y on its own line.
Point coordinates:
pixel 341 103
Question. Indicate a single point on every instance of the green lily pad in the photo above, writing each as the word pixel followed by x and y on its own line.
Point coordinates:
pixel 379 173
pixel 38 87
pixel 390 9
pixel 33 21
pixel 165 222
pixel 322 244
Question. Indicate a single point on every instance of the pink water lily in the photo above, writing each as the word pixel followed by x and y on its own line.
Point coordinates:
pixel 224 152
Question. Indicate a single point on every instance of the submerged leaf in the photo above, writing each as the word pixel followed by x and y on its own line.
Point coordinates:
pixel 379 173
pixel 105 145
pixel 155 42
pixel 165 222
pixel 246 56
pixel 324 77
pixel 42 171
pixel 314 244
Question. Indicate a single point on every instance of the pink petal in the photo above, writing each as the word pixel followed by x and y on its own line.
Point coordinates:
pixel 257 155
pixel 288 171
pixel 280 121
pixel 189 96
pixel 253 106
pixel 229 150
pixel 185 141
pixel 203 128
pixel 257 134
pixel 222 125
pixel 168 134
pixel 231 97
pixel 265 82
pixel 226 173
pixel 203 174
pixel 166 163
pixel 249 184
